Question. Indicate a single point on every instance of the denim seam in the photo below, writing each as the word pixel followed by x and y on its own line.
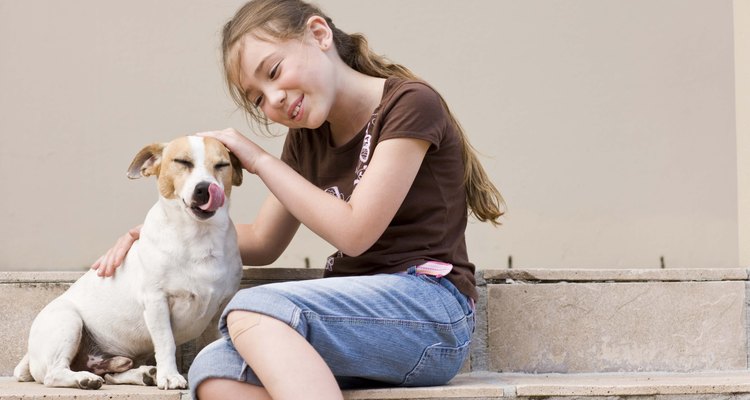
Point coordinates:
pixel 436 349
pixel 379 321
pixel 455 324
pixel 296 317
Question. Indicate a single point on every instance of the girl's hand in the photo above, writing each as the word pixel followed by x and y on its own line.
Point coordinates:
pixel 105 266
pixel 246 150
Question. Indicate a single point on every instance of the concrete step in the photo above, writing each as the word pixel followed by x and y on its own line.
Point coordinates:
pixel 528 320
pixel 476 386
pixel 575 321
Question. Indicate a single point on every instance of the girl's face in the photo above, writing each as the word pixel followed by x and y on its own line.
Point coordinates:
pixel 291 81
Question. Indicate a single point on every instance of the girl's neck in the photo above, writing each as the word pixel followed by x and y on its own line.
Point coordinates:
pixel 358 95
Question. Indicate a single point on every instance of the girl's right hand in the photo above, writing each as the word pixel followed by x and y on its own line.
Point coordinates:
pixel 247 151
pixel 105 266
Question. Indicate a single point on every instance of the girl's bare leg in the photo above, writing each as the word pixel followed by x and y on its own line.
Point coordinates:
pixel 282 359
pixel 225 389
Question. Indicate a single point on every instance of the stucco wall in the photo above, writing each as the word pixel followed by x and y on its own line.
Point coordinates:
pixel 608 125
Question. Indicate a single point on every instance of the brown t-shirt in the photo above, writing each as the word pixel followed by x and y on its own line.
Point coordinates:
pixel 430 223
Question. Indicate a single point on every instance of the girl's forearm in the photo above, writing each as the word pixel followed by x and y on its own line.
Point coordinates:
pixel 329 217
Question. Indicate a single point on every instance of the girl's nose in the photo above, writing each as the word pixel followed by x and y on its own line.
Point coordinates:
pixel 276 97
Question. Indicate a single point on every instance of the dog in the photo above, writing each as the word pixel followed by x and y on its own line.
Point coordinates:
pixel 174 281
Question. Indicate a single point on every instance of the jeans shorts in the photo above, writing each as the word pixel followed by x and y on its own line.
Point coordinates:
pixel 398 329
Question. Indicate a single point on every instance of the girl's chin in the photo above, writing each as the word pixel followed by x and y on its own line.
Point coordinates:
pixel 308 123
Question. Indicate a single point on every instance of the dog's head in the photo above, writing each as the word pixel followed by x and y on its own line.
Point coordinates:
pixel 198 171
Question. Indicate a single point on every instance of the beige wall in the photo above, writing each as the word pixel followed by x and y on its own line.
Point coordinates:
pixel 608 125
pixel 742 98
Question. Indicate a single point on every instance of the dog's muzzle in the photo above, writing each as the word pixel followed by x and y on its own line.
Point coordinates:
pixel 207 198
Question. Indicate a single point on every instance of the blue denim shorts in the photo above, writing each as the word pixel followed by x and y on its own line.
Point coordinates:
pixel 382 330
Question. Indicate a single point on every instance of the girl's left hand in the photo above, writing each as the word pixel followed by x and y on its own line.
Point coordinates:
pixel 246 150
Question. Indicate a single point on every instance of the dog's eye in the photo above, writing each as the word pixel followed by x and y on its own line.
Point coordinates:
pixel 184 163
pixel 221 165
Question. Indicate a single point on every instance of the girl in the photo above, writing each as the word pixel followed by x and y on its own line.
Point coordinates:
pixel 375 164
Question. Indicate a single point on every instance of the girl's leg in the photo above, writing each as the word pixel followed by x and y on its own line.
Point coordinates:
pixel 281 358
pixel 399 329
pixel 226 389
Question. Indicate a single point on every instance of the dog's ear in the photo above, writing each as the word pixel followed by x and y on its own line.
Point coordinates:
pixel 147 161
pixel 236 169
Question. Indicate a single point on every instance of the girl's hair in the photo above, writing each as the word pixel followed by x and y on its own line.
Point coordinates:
pixel 287 19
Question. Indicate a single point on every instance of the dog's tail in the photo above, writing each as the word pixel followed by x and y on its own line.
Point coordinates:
pixel 22 372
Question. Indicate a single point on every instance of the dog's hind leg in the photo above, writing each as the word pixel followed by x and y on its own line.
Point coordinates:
pixel 144 376
pixel 53 343
pixel 65 377
pixel 22 372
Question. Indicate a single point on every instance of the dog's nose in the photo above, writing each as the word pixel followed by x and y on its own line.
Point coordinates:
pixel 201 195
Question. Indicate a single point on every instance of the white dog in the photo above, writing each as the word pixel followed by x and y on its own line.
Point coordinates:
pixel 175 279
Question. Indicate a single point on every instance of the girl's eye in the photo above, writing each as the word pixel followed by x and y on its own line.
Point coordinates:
pixel 272 75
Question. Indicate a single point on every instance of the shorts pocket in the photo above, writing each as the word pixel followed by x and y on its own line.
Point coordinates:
pixel 438 365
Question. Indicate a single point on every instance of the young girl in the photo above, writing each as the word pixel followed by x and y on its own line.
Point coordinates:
pixel 375 164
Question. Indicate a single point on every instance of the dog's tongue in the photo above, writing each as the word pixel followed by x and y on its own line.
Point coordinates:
pixel 215 198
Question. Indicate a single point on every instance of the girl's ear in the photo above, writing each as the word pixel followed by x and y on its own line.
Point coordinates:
pixel 320 31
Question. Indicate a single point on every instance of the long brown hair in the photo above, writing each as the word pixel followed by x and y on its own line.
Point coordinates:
pixel 287 19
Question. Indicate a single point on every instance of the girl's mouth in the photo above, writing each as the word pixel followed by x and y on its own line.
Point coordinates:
pixel 295 110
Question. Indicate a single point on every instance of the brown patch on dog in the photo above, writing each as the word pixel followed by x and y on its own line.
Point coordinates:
pixel 237 169
pixel 177 162
pixel 146 162
pixel 224 165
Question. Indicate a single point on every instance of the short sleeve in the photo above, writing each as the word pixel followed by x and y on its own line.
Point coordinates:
pixel 289 153
pixel 415 111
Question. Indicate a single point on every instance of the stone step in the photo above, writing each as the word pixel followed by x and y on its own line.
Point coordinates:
pixel 575 321
pixel 476 386
pixel 528 320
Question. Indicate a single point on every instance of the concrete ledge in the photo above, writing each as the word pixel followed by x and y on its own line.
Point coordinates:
pixel 478 386
pixel 616 275
pixel 249 274
pixel 633 384
pixel 462 387
pixel 617 327
pixel 528 321
pixel 12 390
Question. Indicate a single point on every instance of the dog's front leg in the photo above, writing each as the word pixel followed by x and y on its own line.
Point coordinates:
pixel 156 314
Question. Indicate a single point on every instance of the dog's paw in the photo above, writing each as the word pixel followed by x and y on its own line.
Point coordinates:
pixel 89 381
pixel 171 381
pixel 24 378
pixel 23 375
pixel 21 372
pixel 149 375
pixel 144 375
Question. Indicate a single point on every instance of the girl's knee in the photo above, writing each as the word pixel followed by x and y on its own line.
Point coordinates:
pixel 239 322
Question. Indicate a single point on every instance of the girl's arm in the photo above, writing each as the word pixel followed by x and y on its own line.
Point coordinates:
pixel 353 226
pixel 113 258
pixel 263 241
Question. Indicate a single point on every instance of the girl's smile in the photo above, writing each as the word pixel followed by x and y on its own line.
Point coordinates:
pixel 295 110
